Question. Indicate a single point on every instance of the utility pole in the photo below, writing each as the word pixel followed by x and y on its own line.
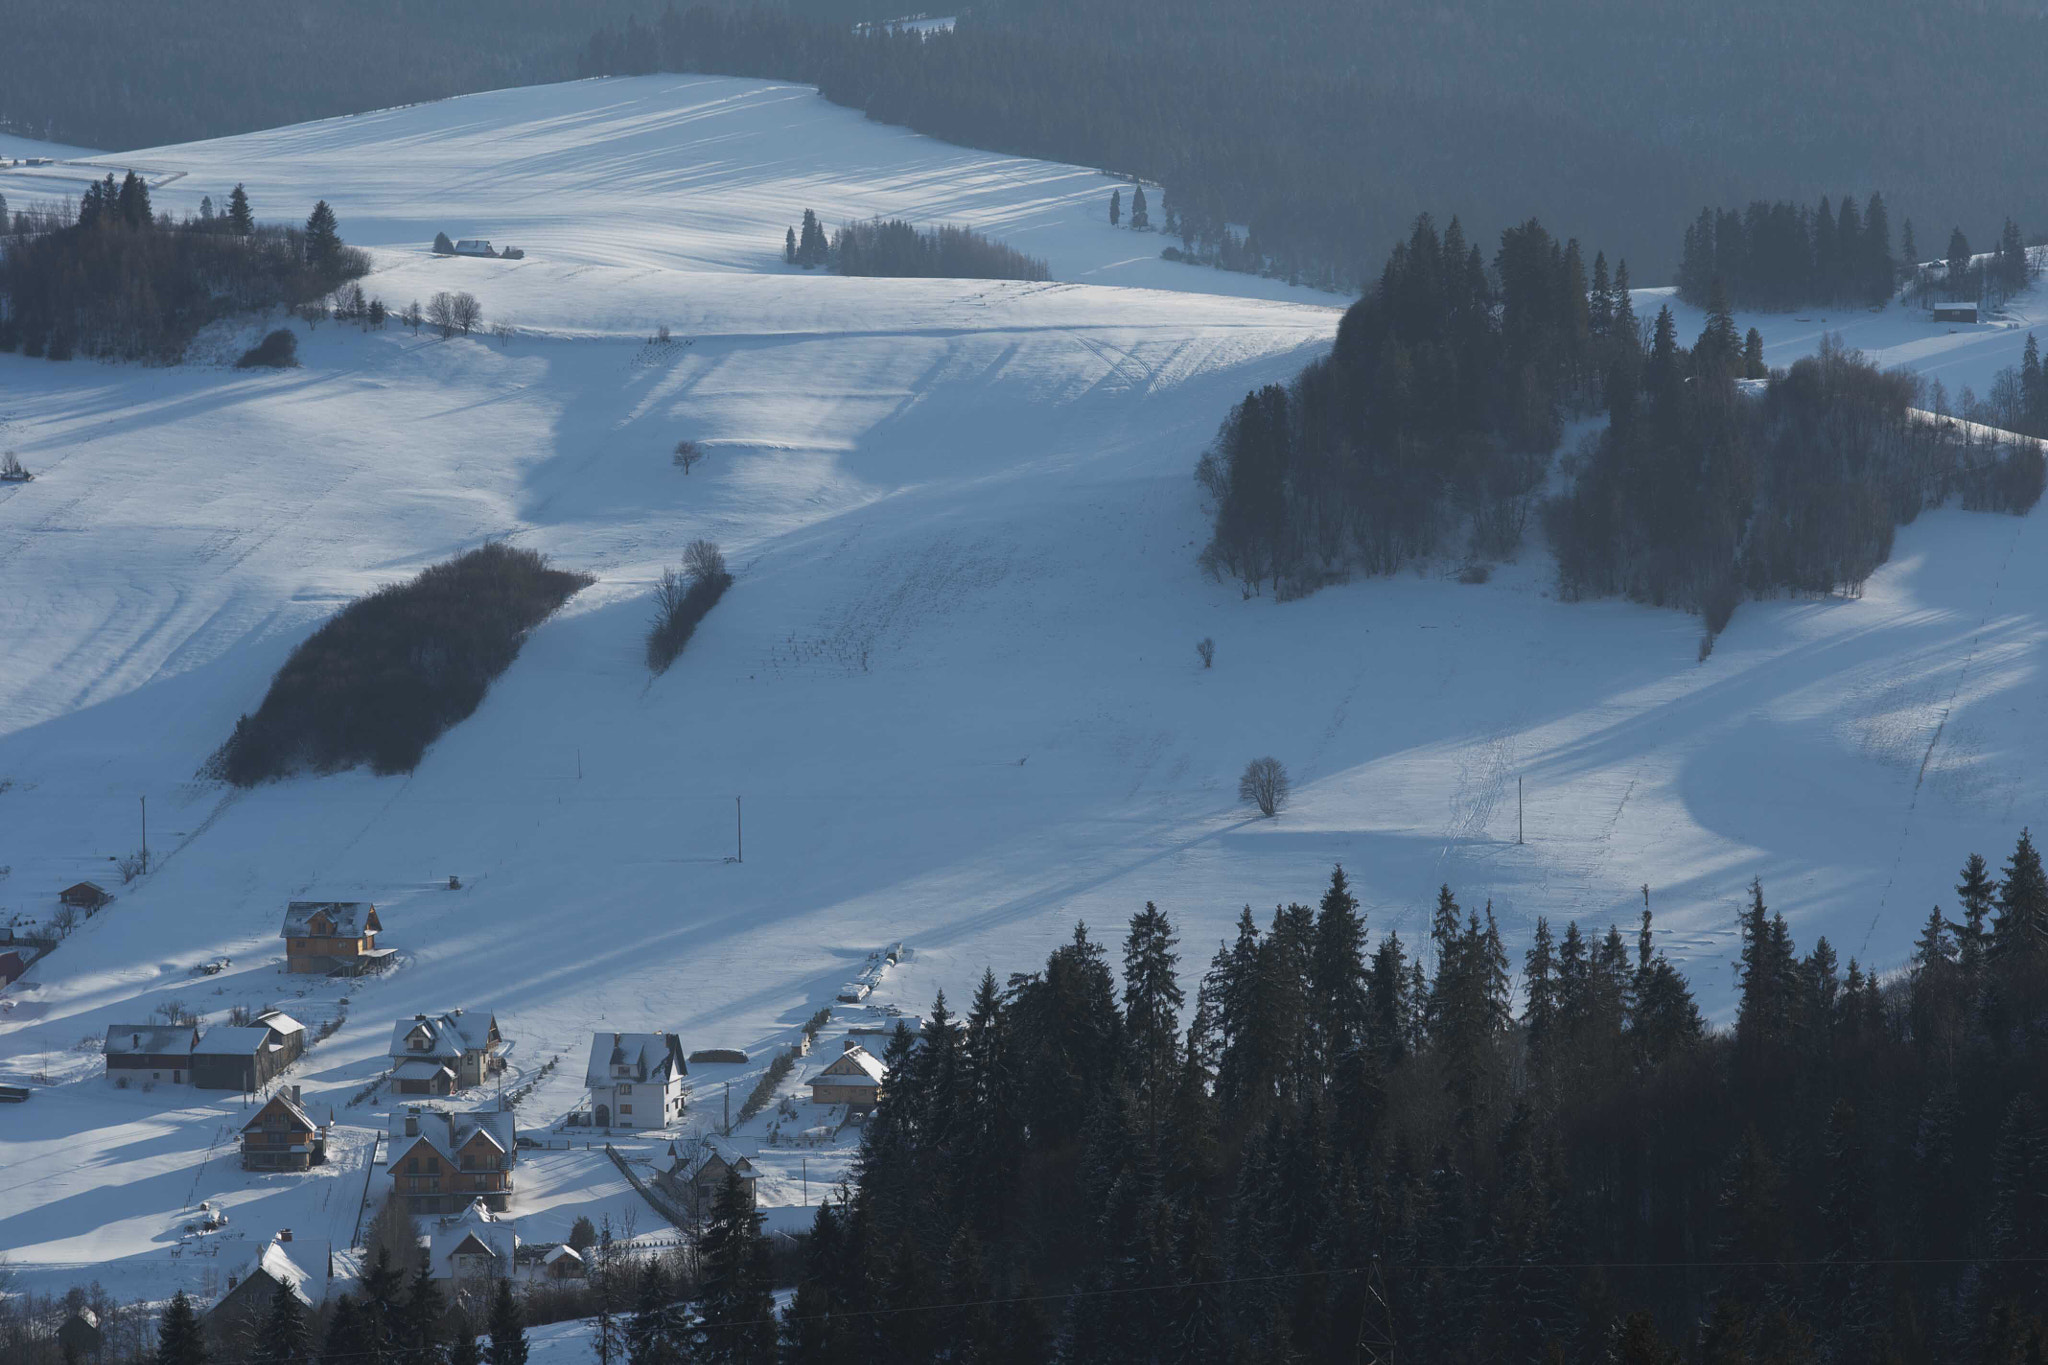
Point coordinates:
pixel 145 833
pixel 807 1181
pixel 728 1108
pixel 1518 809
pixel 739 826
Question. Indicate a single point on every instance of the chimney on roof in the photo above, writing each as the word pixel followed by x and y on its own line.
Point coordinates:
pixel 295 1100
pixel 412 1122
pixel 421 1018
pixel 851 1044
pixel 284 1234
pixel 456 1012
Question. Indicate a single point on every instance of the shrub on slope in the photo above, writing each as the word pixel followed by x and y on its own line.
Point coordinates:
pixel 683 599
pixel 277 351
pixel 382 679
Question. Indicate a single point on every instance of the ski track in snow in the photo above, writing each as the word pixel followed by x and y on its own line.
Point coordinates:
pixel 955 682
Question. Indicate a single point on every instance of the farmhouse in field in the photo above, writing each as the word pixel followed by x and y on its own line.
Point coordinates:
pixel 332 936
pixel 149 1052
pixel 441 1161
pixel 1956 310
pixel 474 246
pixel 433 1054
pixel 283 1136
pixel 854 1078
pixel 635 1079
pixel 249 1057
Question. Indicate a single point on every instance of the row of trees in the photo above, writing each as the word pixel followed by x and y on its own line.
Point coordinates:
pixel 895 248
pixel 125 282
pixel 1435 412
pixel 1345 1140
pixel 1781 256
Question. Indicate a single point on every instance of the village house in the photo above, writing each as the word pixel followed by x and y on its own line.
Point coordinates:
pixel 303 1270
pixel 474 246
pixel 433 1054
pixel 80 1338
pixel 695 1176
pixel 85 896
pixel 248 1057
pixel 472 1250
pixel 635 1079
pixel 854 1078
pixel 12 965
pixel 137 1053
pixel 283 1136
pixel 440 1161
pixel 332 936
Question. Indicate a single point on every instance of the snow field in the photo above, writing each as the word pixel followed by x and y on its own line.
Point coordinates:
pixel 955 684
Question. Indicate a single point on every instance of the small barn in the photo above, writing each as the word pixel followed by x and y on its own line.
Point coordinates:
pixel 247 1058
pixel 1955 312
pixel 854 1078
pixel 12 965
pixel 86 896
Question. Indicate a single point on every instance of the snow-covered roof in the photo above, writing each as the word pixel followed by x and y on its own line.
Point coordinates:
pixel 475 1231
pixel 150 1040
pixel 421 1069
pixel 232 1042
pixel 650 1057
pixel 292 1108
pixel 349 919
pixel 277 1263
pixel 447 1035
pixel 449 1132
pixel 277 1021
pixel 855 1066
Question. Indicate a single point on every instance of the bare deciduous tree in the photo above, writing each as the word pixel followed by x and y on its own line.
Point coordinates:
pixel 1206 647
pixel 1264 784
pixel 688 454
pixel 394 1232
pixel 703 561
pixel 441 313
pixel 469 314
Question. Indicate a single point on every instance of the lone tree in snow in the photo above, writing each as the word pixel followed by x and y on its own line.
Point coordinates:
pixel 1264 784
pixel 688 454
pixel 703 561
pixel 1206 647
pixel 1116 207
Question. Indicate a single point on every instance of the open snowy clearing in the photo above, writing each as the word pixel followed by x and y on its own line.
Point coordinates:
pixel 955 683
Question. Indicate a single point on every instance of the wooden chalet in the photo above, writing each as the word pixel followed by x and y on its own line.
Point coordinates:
pixel 433 1054
pixel 86 896
pixel 283 1136
pixel 138 1053
pixel 854 1078
pixel 335 937
pixel 695 1177
pixel 441 1161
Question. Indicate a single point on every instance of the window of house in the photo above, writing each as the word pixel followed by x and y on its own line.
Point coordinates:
pixel 625 1109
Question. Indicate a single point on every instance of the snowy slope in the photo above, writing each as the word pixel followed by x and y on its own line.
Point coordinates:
pixel 955 683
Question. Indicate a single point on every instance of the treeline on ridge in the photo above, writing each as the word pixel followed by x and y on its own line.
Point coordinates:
pixel 122 282
pixel 894 248
pixel 1345 1139
pixel 389 672
pixel 1429 428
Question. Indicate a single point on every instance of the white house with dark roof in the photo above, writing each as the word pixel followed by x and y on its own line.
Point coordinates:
pixel 138 1053
pixel 441 1160
pixel 474 1248
pixel 636 1079
pixel 432 1054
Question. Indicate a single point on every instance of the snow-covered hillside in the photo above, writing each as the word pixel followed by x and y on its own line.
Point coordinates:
pixel 955 685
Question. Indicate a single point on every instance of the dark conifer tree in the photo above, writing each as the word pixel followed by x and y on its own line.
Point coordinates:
pixel 180 1340
pixel 2019 1194
pixel 419 1333
pixel 1116 207
pixel 1753 366
pixel 1141 217
pixel 1152 1003
pixel 508 1329
pixel 284 1338
pixel 239 217
pixel 736 1305
pixel 1976 895
pixel 1959 274
pixel 1337 977
pixel 2022 925
pixel 323 238
pixel 463 1347
pixel 349 1340
pixel 789 246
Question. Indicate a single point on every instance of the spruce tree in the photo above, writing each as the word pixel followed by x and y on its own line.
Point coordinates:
pixel 508 1329
pixel 323 238
pixel 1116 207
pixel 284 1338
pixel 1141 219
pixel 462 1345
pixel 180 1340
pixel 348 1340
pixel 1152 1003
pixel 1976 895
pixel 736 1303
pixel 789 246
pixel 1958 264
pixel 442 245
pixel 2019 1208
pixel 239 217
pixel 1337 977
pixel 2021 929
pixel 419 1322
pixel 1879 270
pixel 1753 366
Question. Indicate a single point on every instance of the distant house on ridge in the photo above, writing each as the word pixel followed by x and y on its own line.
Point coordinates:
pixel 85 896
pixel 854 1078
pixel 474 246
